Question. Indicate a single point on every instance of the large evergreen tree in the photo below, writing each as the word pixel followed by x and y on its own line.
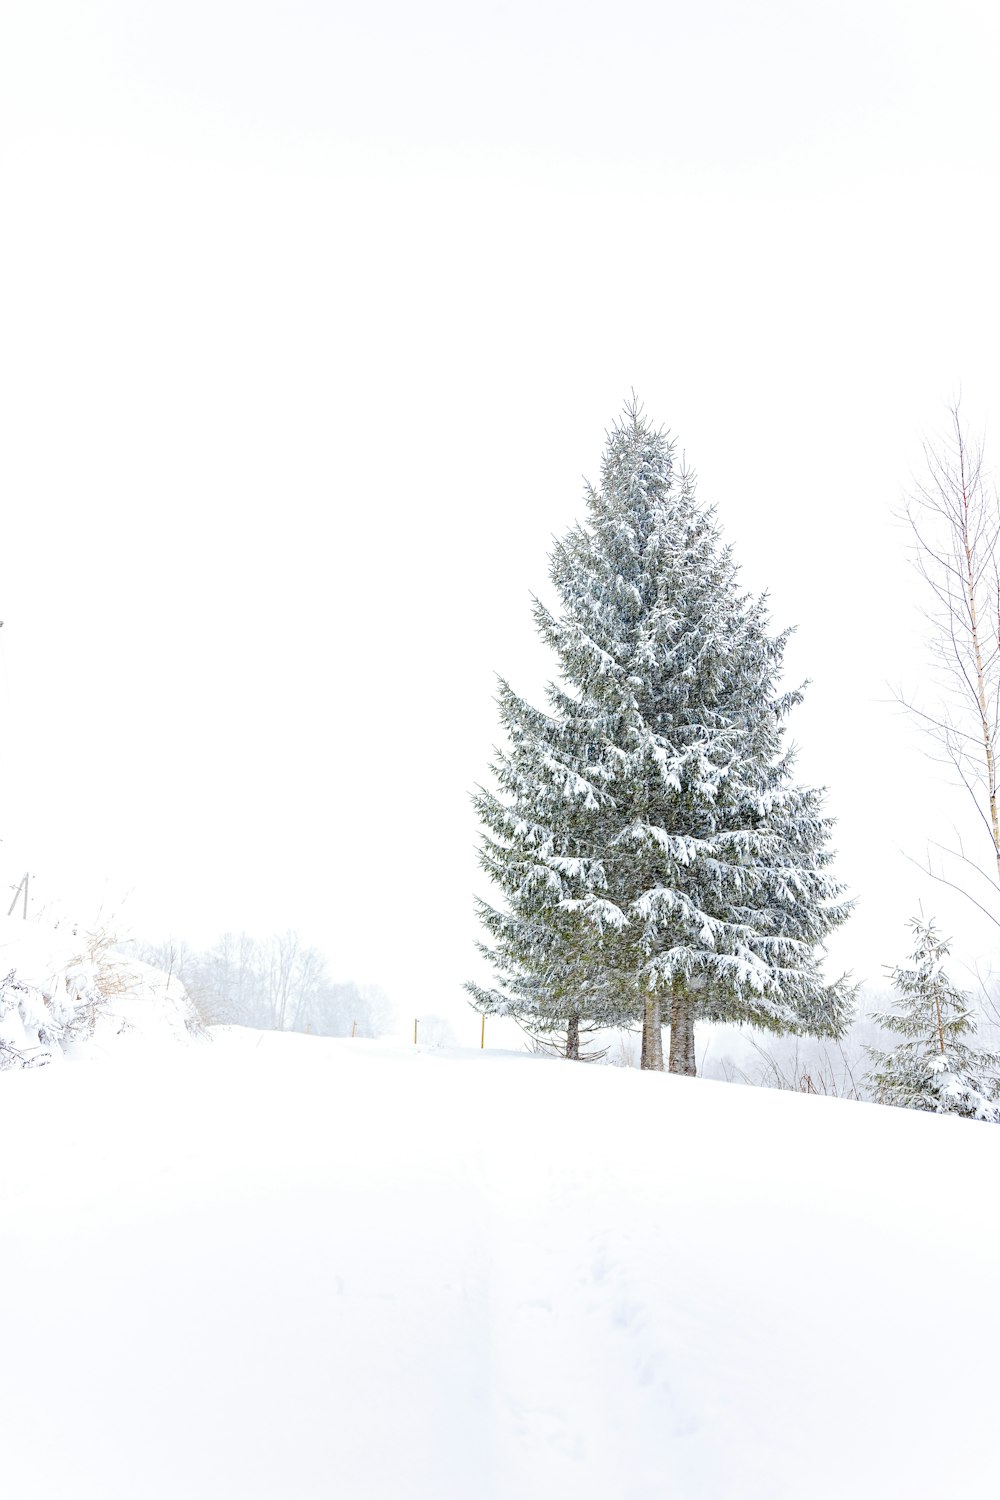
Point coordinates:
pixel 933 1068
pixel 646 832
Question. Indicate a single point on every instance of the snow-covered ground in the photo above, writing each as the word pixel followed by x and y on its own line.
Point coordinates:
pixel 278 1266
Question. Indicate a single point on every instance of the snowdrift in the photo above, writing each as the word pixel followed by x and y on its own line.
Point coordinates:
pixel 287 1268
pixel 65 992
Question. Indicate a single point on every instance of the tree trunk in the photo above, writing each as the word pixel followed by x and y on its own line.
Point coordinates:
pixel 573 1037
pixel 973 569
pixel 682 1032
pixel 652 1034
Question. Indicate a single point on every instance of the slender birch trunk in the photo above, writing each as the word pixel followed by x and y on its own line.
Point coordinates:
pixel 972 564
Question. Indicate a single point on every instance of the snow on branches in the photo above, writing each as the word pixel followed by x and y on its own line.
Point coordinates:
pixel 645 831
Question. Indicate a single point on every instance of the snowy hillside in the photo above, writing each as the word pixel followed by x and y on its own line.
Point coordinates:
pixel 65 992
pixel 295 1268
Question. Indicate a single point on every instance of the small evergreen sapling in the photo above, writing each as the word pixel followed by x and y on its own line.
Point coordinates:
pixel 933 1068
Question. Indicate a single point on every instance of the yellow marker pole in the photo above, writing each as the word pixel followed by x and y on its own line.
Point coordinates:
pixel 415 1019
pixel 482 1031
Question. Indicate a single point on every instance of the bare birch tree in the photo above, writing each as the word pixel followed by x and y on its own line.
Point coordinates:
pixel 954 515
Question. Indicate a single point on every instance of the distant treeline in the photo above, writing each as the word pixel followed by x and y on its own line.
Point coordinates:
pixel 276 984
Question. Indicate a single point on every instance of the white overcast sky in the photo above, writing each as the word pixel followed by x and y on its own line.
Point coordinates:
pixel 313 317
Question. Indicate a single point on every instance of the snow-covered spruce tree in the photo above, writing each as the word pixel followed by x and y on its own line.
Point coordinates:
pixel 933 1068
pixel 646 832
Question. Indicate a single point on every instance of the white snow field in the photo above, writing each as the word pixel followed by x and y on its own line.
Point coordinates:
pixel 278 1266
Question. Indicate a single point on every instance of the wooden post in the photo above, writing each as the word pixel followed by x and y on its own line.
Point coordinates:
pixel 354 1028
pixel 415 1019
pixel 482 1031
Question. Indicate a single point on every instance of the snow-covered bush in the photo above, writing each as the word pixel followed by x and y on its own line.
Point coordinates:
pixel 68 993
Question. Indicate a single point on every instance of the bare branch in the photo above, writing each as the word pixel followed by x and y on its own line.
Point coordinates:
pixel 954 517
pixel 943 880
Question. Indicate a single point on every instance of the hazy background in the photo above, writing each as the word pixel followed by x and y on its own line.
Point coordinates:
pixel 313 316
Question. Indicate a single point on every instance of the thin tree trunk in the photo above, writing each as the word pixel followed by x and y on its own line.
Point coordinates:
pixel 652 1034
pixel 573 1037
pixel 937 1004
pixel 682 1059
pixel 971 562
